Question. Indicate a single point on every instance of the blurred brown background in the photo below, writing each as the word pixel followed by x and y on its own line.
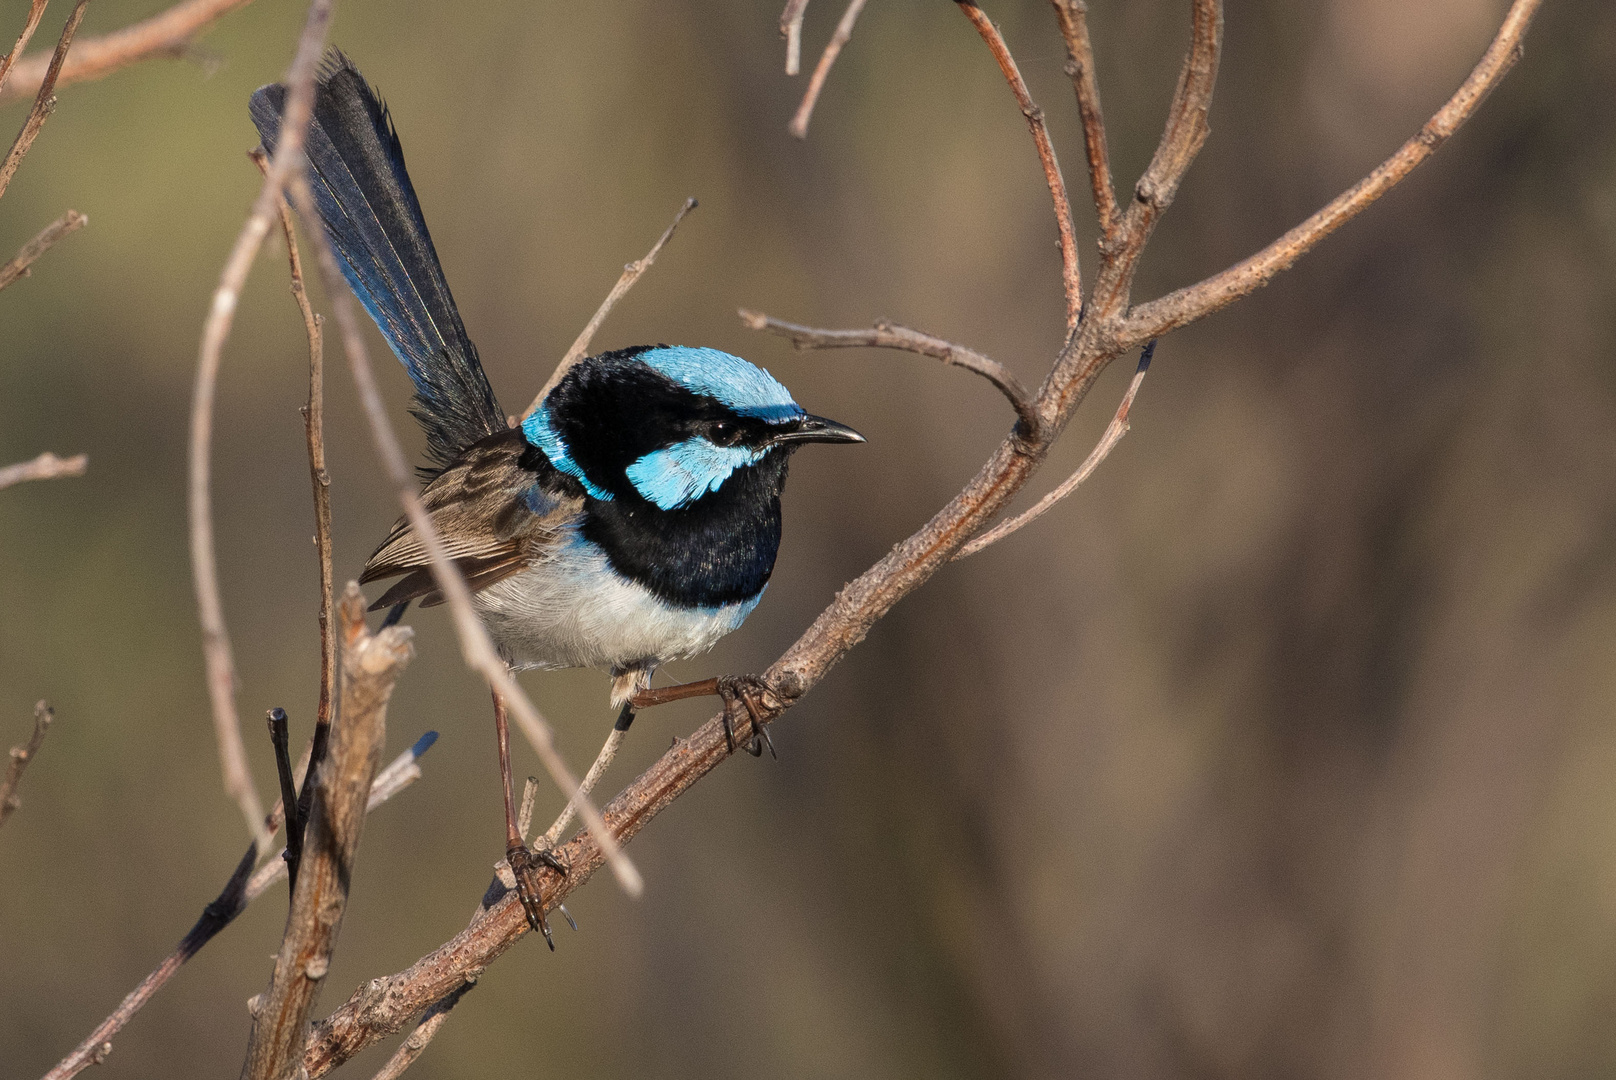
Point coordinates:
pixel 1285 748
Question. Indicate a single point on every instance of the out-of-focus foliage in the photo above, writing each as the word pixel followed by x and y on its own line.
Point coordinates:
pixel 1285 748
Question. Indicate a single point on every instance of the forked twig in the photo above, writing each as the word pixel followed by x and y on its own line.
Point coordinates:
pixel 816 81
pixel 886 335
pixel 1114 431
pixel 46 466
pixel 625 281
pixel 168 33
pixel 44 101
pixel 21 756
pixel 69 223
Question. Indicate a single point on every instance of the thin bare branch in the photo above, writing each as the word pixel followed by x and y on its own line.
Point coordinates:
pixel 1073 17
pixel 69 223
pixel 431 1021
pixel 204 567
pixel 887 335
pixel 475 646
pixel 36 9
pixel 371 666
pixel 603 761
pixel 1071 275
pixel 1218 291
pixel 21 756
pixel 44 101
pixel 791 30
pixel 46 466
pixel 625 281
pixel 1114 431
pixel 168 33
pixel 238 892
pixel 816 81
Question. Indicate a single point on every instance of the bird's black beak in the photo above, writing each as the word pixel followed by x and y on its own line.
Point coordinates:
pixel 818 429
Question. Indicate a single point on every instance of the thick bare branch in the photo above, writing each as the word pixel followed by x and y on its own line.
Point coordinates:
pixel 69 223
pixel 36 9
pixel 1188 304
pixel 46 466
pixel 20 757
pixel 816 81
pixel 1073 17
pixel 1071 275
pixel 204 567
pixel 168 33
pixel 44 101
pixel 371 666
pixel 887 335
pixel 791 30
pixel 625 282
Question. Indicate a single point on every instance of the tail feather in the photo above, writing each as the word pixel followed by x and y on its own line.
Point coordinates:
pixel 374 222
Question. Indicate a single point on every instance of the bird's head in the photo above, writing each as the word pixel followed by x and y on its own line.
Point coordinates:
pixel 670 425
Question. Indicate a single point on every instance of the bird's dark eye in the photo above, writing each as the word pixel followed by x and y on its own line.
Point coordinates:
pixel 724 433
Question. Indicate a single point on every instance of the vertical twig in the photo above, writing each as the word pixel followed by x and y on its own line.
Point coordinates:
pixel 21 756
pixel 816 81
pixel 1073 18
pixel 791 30
pixel 44 101
pixel 371 666
pixel 204 566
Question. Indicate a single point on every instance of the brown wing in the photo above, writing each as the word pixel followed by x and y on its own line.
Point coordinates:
pixel 492 520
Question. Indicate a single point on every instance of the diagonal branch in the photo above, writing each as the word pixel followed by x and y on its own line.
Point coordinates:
pixel 46 466
pixel 1071 275
pixel 69 223
pixel 168 33
pixel 1073 17
pixel 816 81
pixel 44 101
pixel 36 9
pixel 20 757
pixel 886 335
pixel 1218 291
pixel 791 30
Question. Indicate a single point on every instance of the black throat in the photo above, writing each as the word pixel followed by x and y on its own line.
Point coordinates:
pixel 718 550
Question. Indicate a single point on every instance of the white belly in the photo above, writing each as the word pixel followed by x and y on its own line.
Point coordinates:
pixel 571 610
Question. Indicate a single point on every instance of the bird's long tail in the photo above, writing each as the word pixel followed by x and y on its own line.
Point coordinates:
pixel 374 222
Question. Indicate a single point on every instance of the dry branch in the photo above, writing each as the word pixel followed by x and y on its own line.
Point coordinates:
pixel 36 9
pixel 68 223
pixel 371 666
pixel 791 30
pixel 1073 18
pixel 816 81
pixel 46 466
pixel 21 756
pixel 168 33
pixel 44 101
pixel 204 567
pixel 631 274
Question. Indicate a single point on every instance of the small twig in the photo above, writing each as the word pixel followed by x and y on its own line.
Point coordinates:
pixel 791 30
pixel 475 646
pixel 238 892
pixel 1073 18
pixel 1071 275
pixel 278 732
pixel 204 563
pixel 44 101
pixel 168 33
pixel 371 666
pixel 816 81
pixel 1114 431
pixel 886 335
pixel 69 223
pixel 625 282
pixel 20 757
pixel 46 466
pixel 431 1021
pixel 524 816
pixel 36 9
pixel 603 761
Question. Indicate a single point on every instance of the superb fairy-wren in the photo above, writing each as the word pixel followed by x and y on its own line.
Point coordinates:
pixel 631 520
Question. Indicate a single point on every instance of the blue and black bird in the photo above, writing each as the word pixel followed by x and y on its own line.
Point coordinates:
pixel 631 520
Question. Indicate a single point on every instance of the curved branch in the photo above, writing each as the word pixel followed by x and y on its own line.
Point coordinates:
pixel 1218 291
pixel 886 335
pixel 816 81
pixel 69 223
pixel 1071 274
pixel 168 33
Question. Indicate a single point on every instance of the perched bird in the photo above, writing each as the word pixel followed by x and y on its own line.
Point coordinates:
pixel 632 519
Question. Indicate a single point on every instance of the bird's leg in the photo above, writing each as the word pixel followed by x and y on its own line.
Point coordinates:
pixel 747 689
pixel 523 862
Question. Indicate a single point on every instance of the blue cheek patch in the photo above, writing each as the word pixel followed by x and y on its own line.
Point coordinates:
pixel 682 473
pixel 542 433
pixel 743 386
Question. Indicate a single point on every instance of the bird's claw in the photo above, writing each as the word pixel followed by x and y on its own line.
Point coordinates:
pixel 525 863
pixel 749 691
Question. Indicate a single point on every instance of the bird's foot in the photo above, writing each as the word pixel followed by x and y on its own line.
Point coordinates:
pixel 748 690
pixel 525 863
